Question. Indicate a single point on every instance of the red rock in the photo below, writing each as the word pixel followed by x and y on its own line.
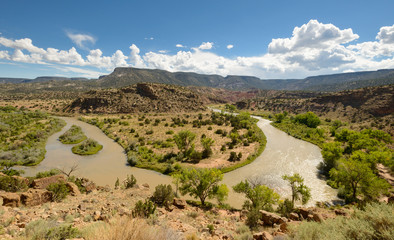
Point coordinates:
pixel 270 218
pixel 43 183
pixel 263 236
pixel 318 217
pixel 73 188
pixel 34 197
pixel 294 217
pixel 179 203
pixel 10 199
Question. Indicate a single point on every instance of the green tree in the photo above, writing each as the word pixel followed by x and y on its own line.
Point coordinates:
pixel 207 144
pixel 230 107
pixel 358 180
pixel 309 119
pixel 258 196
pixel 202 183
pixel 331 152
pixel 279 117
pixel 298 189
pixel 184 141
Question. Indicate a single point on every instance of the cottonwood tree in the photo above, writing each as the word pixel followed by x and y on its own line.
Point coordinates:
pixel 202 184
pixel 207 144
pixel 258 196
pixel 298 190
pixel 358 180
pixel 184 141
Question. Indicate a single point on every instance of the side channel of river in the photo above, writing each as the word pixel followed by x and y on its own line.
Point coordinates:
pixel 282 155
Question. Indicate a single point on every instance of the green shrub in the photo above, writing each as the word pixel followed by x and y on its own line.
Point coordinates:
pixel 163 195
pixel 144 209
pixel 309 119
pixel 73 135
pixel 211 228
pixel 169 132
pixel 59 191
pixel 129 182
pixel 41 229
pixel 253 217
pixel 49 173
pixel 88 147
pixel 11 184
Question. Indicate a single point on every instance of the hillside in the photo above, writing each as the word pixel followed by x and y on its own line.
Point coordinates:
pixel 336 82
pixel 142 97
pixel 351 105
pixel 122 77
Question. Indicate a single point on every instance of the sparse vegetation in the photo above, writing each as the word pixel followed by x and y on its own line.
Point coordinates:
pixel 87 147
pixel 23 135
pixel 185 140
pixel 73 135
pixel 375 222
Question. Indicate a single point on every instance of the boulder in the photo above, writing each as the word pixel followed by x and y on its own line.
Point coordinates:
pixel 271 218
pixel 318 217
pixel 304 212
pixel 179 203
pixel 145 185
pixel 43 183
pixel 96 215
pixel 294 217
pixel 10 199
pixel 34 197
pixel 284 227
pixel 73 188
pixel 89 186
pixel 263 236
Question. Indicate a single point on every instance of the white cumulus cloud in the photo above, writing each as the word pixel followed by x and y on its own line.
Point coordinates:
pixel 135 58
pixel 206 46
pixel 311 49
pixel 81 40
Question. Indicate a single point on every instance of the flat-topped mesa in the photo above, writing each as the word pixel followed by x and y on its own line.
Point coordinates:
pixel 141 97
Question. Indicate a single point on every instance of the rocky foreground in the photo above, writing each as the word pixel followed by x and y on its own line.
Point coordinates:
pixel 106 205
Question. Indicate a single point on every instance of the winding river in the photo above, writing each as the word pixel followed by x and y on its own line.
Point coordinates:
pixel 282 155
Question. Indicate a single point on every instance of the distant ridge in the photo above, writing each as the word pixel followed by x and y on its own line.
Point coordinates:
pixel 40 79
pixel 122 77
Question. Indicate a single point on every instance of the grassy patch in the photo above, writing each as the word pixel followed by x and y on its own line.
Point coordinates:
pixel 88 147
pixel 23 135
pixel 73 135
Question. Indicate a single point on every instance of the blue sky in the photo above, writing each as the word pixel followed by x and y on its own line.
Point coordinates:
pixel 268 39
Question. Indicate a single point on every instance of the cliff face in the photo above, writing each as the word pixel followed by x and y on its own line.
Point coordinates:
pixel 142 97
pixel 354 105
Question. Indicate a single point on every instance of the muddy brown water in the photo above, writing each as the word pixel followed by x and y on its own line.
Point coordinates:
pixel 282 155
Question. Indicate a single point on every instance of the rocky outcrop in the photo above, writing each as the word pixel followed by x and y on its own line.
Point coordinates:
pixel 142 97
pixel 263 236
pixel 34 197
pixel 43 183
pixel 10 199
pixel 179 203
pixel 74 190
pixel 270 219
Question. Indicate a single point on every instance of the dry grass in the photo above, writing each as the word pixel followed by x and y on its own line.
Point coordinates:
pixel 127 228
pixel 53 106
